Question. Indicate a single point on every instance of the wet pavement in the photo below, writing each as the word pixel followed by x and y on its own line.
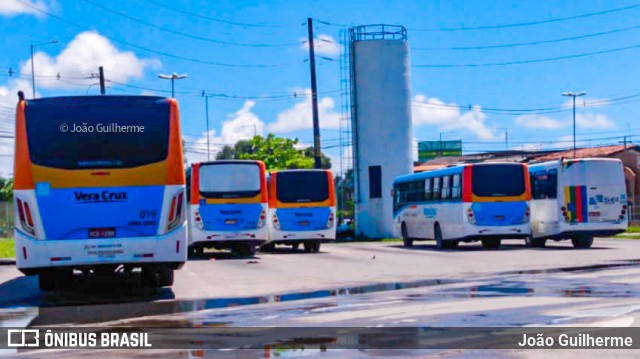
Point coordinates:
pixel 592 292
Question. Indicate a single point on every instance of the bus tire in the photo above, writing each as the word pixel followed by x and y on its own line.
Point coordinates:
pixel 406 241
pixel 491 243
pixel 268 247
pixel 437 234
pixel 295 246
pixel 531 242
pixel 582 241
pixel 246 249
pixel 312 246
pixel 47 281
pixel 165 277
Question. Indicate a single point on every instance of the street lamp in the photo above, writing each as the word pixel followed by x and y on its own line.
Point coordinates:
pixel 173 77
pixel 574 95
pixel 33 77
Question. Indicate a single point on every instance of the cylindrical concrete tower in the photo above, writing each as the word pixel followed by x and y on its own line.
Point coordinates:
pixel 381 115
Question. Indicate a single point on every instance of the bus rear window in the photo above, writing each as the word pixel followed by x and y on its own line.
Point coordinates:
pixel 302 186
pixel 229 180
pixel 498 180
pixel 97 132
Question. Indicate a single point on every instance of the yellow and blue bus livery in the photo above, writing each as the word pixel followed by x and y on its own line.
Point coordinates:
pixel 302 209
pixel 475 202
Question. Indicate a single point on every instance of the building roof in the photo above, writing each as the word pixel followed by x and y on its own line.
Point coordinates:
pixel 602 151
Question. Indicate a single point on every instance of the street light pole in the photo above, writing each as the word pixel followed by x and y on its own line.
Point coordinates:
pixel 206 105
pixel 173 77
pixel 574 95
pixel 33 77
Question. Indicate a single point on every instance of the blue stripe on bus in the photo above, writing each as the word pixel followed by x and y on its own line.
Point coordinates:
pixel 69 213
pixel 303 218
pixel 397 212
pixel 230 217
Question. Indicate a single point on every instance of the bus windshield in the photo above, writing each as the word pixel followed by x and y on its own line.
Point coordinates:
pixel 302 186
pixel 97 132
pixel 497 180
pixel 229 180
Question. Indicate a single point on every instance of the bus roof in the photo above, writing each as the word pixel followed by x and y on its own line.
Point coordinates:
pixel 66 100
pixel 226 162
pixel 571 160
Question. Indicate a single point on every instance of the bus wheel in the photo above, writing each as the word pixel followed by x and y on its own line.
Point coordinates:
pixel 246 249
pixel 582 242
pixel 491 243
pixel 312 246
pixel 165 277
pixel 295 246
pixel 47 281
pixel 531 242
pixel 437 233
pixel 406 241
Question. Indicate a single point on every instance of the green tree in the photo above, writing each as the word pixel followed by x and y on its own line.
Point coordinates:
pixel 234 152
pixel 6 189
pixel 277 153
pixel 324 160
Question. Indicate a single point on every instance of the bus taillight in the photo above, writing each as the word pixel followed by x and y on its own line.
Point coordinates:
pixel 527 215
pixel 263 217
pixel 175 212
pixel 330 221
pixel 26 219
pixel 472 218
pixel 276 223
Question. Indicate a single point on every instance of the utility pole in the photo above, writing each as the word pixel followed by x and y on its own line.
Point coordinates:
pixel 102 88
pixel 574 95
pixel 206 109
pixel 314 99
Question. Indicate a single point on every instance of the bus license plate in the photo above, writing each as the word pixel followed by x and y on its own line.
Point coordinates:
pixel 499 218
pixel 230 221
pixel 304 223
pixel 102 232
pixel 594 214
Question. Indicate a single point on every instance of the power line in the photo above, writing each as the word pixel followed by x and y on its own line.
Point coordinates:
pixel 222 21
pixel 529 23
pixel 541 42
pixel 142 48
pixel 520 62
pixel 184 34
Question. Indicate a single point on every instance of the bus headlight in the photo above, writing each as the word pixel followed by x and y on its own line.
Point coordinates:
pixel 26 219
pixel 175 211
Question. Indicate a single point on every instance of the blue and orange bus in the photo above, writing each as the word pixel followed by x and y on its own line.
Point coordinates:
pixel 228 206
pixel 302 209
pixel 484 202
pixel 99 186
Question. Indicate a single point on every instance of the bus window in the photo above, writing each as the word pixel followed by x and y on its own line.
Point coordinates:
pixel 436 188
pixel 428 191
pixel 446 188
pixel 455 187
pixel 552 184
pixel 544 184
pixel 497 180
pixel 229 180
pixel 300 187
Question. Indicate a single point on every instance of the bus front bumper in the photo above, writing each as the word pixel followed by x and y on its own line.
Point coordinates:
pixel 32 254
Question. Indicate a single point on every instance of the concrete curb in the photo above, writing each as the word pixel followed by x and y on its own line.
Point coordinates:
pixel 7 261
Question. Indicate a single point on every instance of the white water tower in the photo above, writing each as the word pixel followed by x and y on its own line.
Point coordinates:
pixel 381 122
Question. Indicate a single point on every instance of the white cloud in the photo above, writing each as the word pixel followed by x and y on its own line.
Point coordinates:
pixel 240 125
pixel 82 57
pixel 13 7
pixel 539 122
pixel 299 117
pixel 433 111
pixel 322 45
pixel 593 120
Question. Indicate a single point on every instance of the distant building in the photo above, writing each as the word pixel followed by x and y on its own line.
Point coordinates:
pixel 628 154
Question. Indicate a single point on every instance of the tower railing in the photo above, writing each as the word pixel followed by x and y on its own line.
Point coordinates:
pixel 378 32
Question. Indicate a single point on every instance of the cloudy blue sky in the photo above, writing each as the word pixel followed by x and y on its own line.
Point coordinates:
pixel 478 69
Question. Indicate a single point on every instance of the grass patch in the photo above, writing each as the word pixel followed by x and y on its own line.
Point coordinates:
pixel 6 248
pixel 633 229
pixel 362 239
pixel 627 236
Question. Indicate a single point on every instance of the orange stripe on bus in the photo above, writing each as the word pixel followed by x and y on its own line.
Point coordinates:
pixel 22 176
pixel 175 159
pixel 195 183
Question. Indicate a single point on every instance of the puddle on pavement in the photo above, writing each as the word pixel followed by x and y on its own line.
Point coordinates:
pixel 81 308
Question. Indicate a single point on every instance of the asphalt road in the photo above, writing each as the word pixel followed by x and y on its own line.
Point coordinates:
pixel 358 284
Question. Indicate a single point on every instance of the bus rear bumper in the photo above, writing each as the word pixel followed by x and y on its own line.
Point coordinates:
pixel 166 250
pixel 520 231
pixel 199 236
pixel 278 236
